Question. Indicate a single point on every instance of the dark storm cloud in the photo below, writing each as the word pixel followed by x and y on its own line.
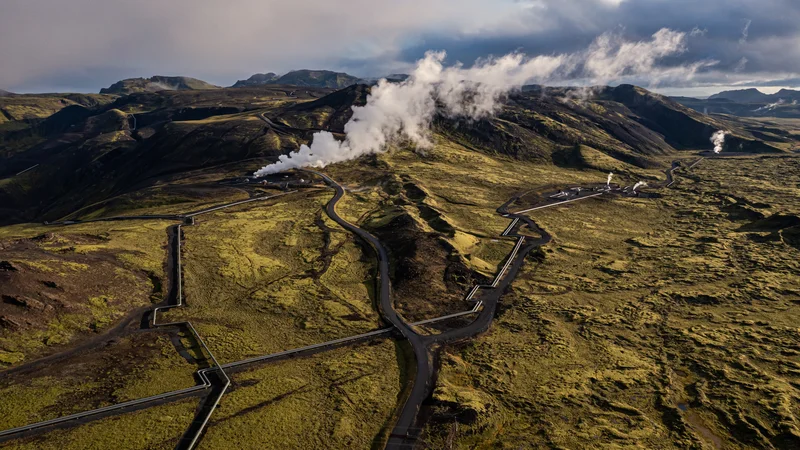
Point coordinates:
pixel 86 44
pixel 772 43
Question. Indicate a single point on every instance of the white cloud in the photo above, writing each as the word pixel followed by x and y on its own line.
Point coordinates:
pixel 92 43
pixel 696 31
pixel 405 110
pixel 217 40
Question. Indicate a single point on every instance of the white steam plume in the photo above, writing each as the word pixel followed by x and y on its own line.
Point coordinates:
pixel 405 110
pixel 610 175
pixel 718 139
pixel 638 185
pixel 772 106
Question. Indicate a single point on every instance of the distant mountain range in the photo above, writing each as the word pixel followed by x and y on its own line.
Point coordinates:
pixel 257 80
pixel 307 78
pixel 743 102
pixel 755 96
pixel 155 84
pixel 747 103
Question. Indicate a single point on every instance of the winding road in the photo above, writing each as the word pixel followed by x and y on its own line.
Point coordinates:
pixel 214 380
pixel 424 372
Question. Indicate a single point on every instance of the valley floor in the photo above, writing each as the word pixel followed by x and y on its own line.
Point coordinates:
pixel 663 322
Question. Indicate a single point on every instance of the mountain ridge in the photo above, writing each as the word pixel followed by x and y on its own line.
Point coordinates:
pixel 317 78
pixel 753 95
pixel 257 79
pixel 156 83
pixel 314 78
pixel 89 153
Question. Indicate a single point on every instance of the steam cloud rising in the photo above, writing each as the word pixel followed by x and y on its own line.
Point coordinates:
pixel 773 106
pixel 406 109
pixel 396 111
pixel 718 139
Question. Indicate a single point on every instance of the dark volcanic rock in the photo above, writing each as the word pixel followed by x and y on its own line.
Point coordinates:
pixel 774 222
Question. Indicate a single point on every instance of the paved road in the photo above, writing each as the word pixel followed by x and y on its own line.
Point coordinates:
pixel 283 129
pixel 424 373
pixel 213 380
pixel 404 433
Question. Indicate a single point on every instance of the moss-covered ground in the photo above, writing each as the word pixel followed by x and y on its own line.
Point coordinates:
pixel 341 399
pixel 261 279
pixel 69 282
pixel 656 323
pixel 446 201
pixel 258 278
pixel 666 323
pixel 135 366
pixel 155 428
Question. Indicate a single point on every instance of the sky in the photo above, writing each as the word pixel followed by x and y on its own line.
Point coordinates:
pixel 84 45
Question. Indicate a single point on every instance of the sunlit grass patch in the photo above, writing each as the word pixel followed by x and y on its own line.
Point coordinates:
pixel 338 399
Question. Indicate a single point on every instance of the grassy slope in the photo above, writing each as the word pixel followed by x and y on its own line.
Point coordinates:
pixel 337 400
pixel 63 257
pixel 651 323
pixel 32 106
pixel 249 282
pixel 463 188
pixel 250 303
pixel 581 337
pixel 252 288
pixel 155 428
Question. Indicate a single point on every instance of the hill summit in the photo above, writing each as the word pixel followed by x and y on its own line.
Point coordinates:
pixel 753 95
pixel 257 80
pixel 304 77
pixel 155 84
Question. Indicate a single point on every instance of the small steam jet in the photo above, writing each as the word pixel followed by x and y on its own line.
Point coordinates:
pixel 638 185
pixel 718 139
